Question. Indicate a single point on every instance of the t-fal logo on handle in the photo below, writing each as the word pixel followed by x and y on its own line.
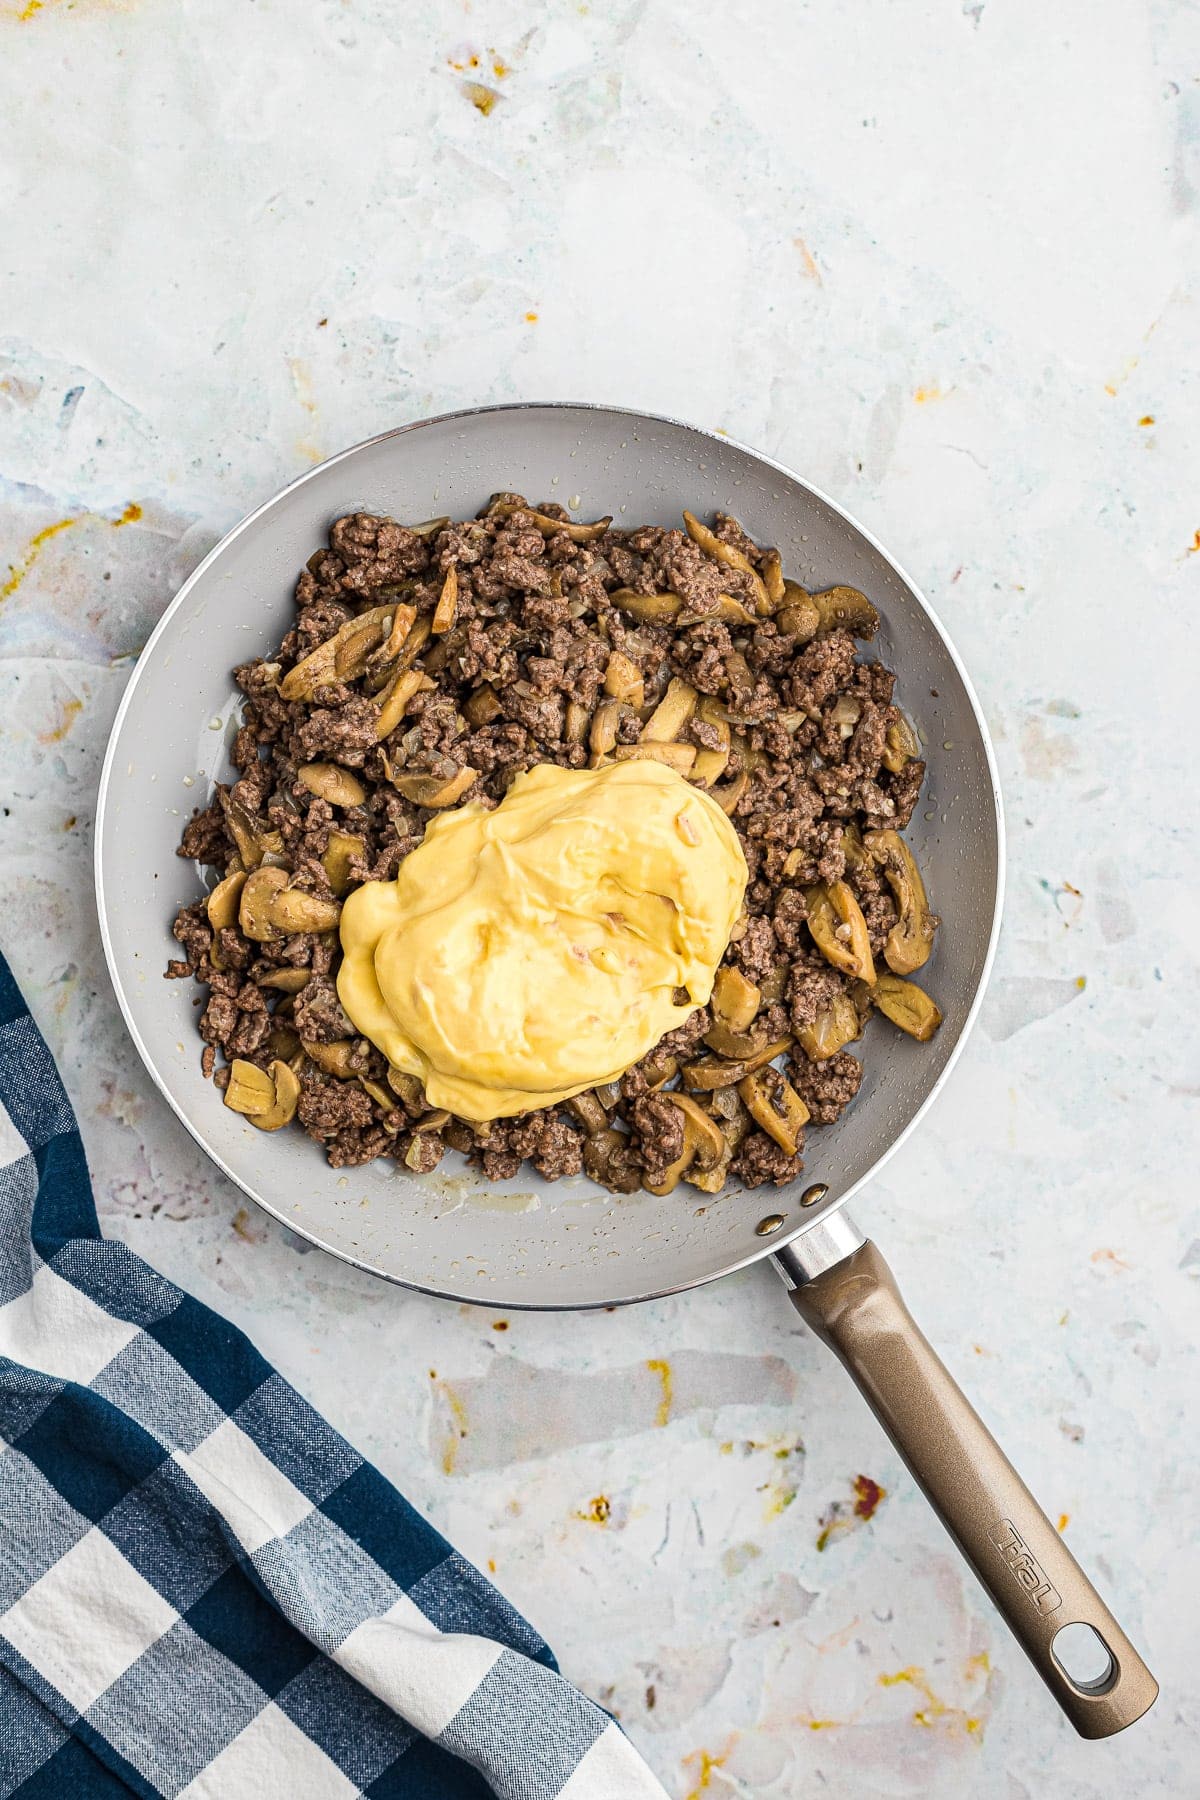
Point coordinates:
pixel 1024 1565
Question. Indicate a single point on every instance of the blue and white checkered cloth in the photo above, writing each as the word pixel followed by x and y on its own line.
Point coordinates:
pixel 204 1591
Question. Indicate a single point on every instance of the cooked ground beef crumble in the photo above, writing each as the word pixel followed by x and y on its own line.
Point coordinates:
pixel 533 640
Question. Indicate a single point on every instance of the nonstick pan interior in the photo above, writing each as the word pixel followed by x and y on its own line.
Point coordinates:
pixel 526 1242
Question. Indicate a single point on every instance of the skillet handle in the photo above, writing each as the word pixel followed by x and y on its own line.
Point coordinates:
pixel 854 1306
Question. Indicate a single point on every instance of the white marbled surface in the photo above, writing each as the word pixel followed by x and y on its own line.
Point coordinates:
pixel 941 258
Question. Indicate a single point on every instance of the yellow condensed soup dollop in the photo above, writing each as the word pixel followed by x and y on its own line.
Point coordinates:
pixel 525 954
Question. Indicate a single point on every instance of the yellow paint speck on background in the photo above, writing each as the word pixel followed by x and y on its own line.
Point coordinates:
pixel 663 1371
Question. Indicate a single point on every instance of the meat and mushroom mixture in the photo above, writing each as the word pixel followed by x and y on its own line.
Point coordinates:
pixel 426 667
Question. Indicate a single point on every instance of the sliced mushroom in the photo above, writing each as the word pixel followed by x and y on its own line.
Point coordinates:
pixel 338 1059
pixel 648 609
pixel 728 611
pixel 578 534
pixel 430 527
pixel 606 1160
pixel 222 904
pixel 623 680
pixel 269 906
pixel 844 714
pixel 714 1072
pixel 774 987
pixel 403 620
pixel 342 851
pixel 606 721
pixel 775 1105
pixel 772 574
pixel 587 1111
pixel 266 1097
pixel 701 1141
pixel 378 1094
pixel 791 721
pixel 311 672
pixel 799 616
pixel 853 849
pixel 710 1181
pixel 343 657
pixel 671 714
pixel 901 745
pixel 734 1122
pixel 708 767
pixel 729 555
pixel 735 1046
pixel 911 937
pixel 447 606
pixel 739 680
pixel 282 1040
pixel 676 756
pixel 293 910
pixel 728 796
pixel 710 764
pixel 414 643
pixel 483 705
pixel 844 608
pixel 837 1025
pixel 328 781
pixel 433 1121
pixel 256 905
pixel 907 1006
pixel 839 929
pixel 356 640
pixel 726 1107
pixel 576 720
pixel 406 1087
pixel 285 981
pixel 249 1090
pixel 436 791
pixel 735 1000
pixel 393 701
pixel 254 841
pixel 660 1069
pixel 705 1132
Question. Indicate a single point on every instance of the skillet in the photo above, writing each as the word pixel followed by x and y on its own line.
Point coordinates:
pixel 527 1243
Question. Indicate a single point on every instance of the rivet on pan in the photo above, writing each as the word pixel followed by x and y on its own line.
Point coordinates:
pixel 816 1192
pixel 771 1223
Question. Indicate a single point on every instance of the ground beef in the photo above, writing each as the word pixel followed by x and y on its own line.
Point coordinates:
pixel 552 1146
pixel 812 988
pixel 805 729
pixel 754 952
pixel 497 1161
pixel 657 1132
pixel 422 1151
pixel 218 1021
pixel 204 839
pixel 329 1106
pixel 760 1159
pixel 193 931
pixel 342 733
pixel 375 552
pixel 318 1012
pixel 828 1087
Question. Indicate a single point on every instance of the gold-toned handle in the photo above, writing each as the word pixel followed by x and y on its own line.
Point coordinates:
pixel 855 1307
